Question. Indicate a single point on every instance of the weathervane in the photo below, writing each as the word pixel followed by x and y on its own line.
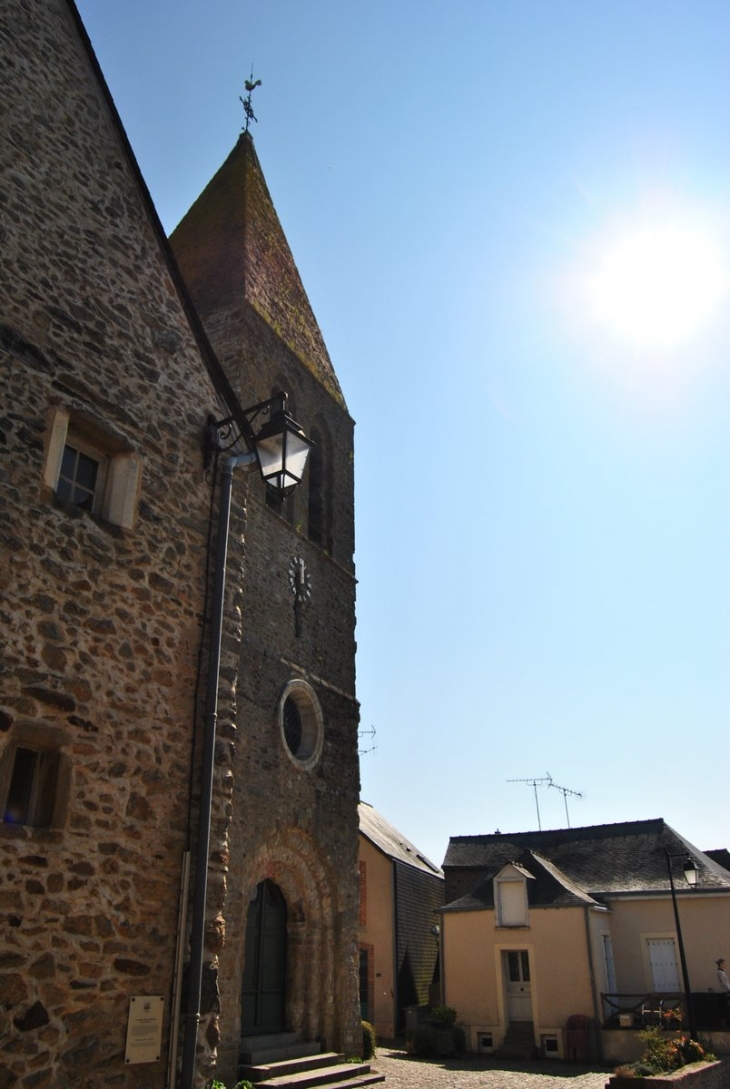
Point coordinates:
pixel 250 86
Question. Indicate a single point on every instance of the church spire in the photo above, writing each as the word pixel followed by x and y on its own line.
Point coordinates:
pixel 232 252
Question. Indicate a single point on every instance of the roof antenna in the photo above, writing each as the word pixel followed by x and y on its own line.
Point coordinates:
pixel 367 733
pixel 565 792
pixel 535 783
pixel 250 86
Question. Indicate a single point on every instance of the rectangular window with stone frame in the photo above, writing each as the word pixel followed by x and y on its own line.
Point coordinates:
pixel 89 466
pixel 34 784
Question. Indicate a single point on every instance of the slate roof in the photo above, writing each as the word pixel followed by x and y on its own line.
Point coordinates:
pixel 391 842
pixel 721 856
pixel 574 865
pixel 546 885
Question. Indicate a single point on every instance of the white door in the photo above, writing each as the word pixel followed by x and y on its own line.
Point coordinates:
pixel 517 975
pixel 663 964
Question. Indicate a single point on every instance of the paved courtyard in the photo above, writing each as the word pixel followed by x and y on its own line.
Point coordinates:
pixel 404 1072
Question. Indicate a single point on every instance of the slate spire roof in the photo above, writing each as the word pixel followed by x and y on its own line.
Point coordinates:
pixel 231 250
pixel 573 865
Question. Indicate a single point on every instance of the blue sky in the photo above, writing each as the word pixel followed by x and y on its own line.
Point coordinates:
pixel 542 498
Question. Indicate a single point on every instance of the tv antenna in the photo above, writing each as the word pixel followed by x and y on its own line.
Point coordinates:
pixel 565 792
pixel 535 783
pixel 367 733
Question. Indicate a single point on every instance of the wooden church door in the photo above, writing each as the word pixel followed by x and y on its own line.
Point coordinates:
pixel 263 993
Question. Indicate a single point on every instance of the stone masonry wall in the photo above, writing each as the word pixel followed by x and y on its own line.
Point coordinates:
pixel 296 826
pixel 101 625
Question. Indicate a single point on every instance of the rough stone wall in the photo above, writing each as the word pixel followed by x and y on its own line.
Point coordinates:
pixel 297 826
pixel 101 625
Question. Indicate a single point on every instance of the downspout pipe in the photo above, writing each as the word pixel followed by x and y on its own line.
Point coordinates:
pixel 197 932
pixel 592 974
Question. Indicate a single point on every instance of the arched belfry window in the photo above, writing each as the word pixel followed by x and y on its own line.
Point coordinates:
pixel 319 521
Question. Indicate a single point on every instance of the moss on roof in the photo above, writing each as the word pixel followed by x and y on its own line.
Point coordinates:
pixel 232 251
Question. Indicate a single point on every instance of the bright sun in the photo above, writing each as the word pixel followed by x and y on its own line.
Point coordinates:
pixel 656 286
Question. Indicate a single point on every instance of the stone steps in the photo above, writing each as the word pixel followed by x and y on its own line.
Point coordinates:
pixel 519 1043
pixel 287 1063
pixel 259 1051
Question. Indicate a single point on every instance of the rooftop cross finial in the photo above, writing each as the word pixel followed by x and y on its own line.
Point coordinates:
pixel 250 86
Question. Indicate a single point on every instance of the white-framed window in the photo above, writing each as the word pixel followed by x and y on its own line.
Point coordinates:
pixel 89 467
pixel 82 475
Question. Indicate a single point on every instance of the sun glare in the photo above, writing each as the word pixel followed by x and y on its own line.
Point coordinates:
pixel 656 286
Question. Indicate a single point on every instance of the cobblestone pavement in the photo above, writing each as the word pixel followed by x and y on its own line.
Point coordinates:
pixel 404 1072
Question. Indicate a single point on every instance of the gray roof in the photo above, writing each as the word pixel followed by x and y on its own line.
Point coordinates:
pixel 575 864
pixel 391 842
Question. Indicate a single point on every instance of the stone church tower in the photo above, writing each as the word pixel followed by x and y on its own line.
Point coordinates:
pixel 287 895
pixel 113 355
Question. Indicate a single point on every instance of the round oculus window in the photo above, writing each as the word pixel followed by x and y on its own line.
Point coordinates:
pixel 301 723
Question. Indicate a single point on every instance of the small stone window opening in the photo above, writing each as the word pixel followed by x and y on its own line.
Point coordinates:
pixel 81 476
pixel 31 796
pixel 315 525
pixel 90 467
pixel 319 493
pixel 301 724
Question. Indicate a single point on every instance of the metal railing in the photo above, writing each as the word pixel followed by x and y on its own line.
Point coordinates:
pixel 667 1010
pixel 642 1010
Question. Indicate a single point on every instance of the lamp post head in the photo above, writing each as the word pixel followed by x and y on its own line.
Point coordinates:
pixel 282 450
pixel 280 445
pixel 691 873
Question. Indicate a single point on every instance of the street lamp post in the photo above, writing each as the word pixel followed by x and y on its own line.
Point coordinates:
pixel 280 449
pixel 691 874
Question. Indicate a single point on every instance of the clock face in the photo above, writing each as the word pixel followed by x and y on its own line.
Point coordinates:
pixel 300 580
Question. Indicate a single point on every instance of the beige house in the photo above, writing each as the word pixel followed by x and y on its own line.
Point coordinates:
pixel 401 893
pixel 563 943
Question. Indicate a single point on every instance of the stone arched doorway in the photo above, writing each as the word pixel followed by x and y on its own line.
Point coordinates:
pixel 263 988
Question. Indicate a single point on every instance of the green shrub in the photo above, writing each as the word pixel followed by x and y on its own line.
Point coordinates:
pixel 444 1015
pixel 424 1042
pixel 245 1084
pixel 369 1040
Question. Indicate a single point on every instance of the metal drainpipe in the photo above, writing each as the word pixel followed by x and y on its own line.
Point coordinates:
pixel 197 934
pixel 592 973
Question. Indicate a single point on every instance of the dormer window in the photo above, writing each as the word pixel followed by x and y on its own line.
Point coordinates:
pixel 510 896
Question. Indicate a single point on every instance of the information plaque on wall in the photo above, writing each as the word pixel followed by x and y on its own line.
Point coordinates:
pixel 144 1029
